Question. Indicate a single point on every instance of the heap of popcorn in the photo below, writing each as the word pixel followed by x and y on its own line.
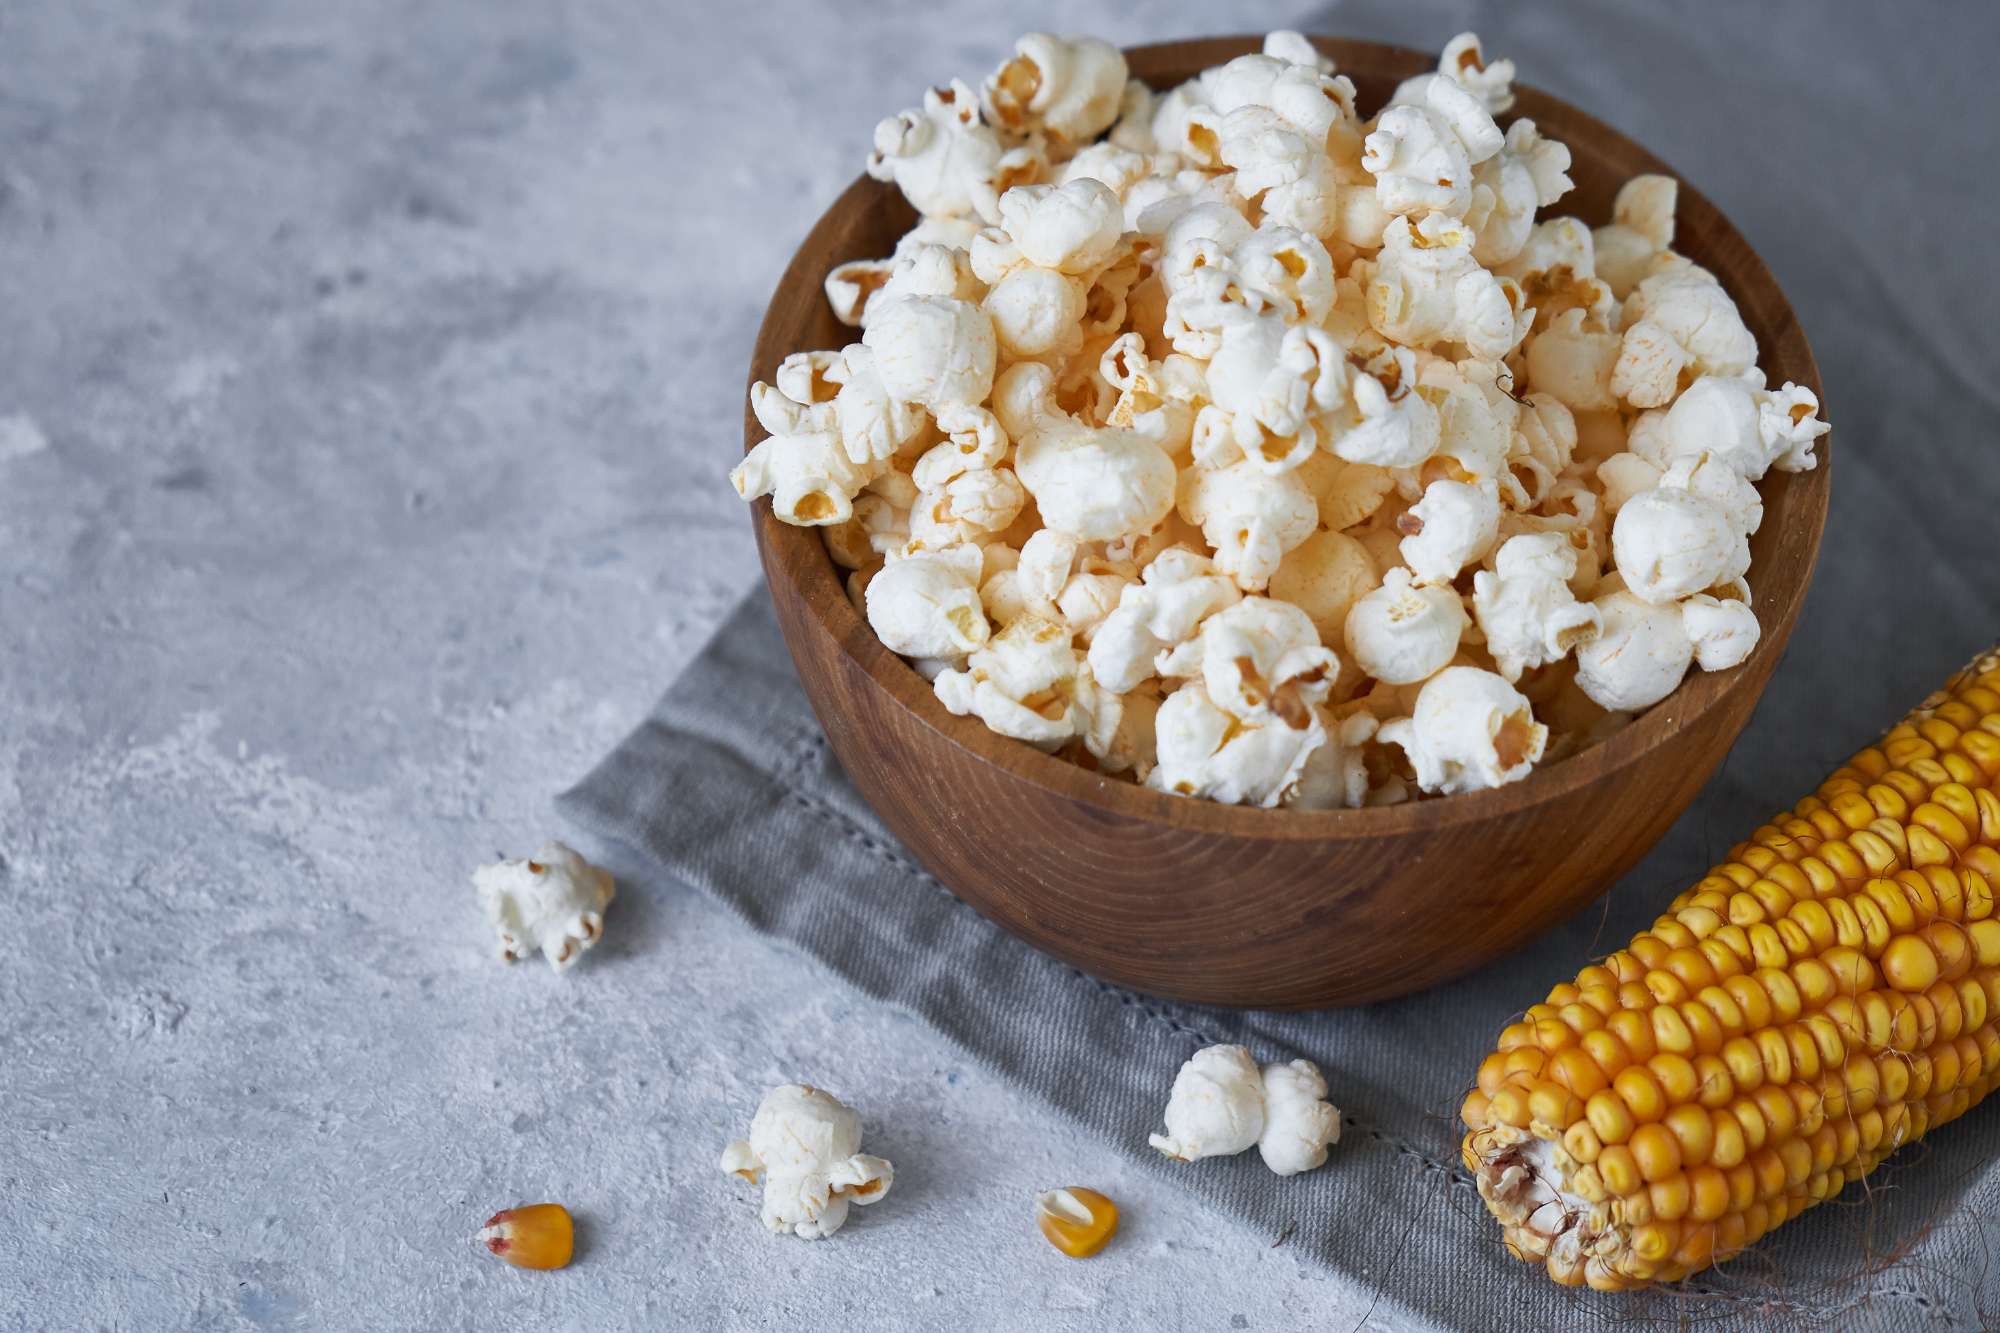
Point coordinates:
pixel 1232 443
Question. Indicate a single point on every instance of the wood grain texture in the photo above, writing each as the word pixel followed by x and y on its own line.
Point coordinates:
pixel 1273 908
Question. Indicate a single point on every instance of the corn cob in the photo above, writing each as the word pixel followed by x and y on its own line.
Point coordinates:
pixel 1827 994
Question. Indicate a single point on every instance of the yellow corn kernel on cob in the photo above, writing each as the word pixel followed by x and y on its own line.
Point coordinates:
pixel 1827 994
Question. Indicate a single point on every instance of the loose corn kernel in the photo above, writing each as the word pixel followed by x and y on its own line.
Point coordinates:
pixel 1076 1220
pixel 536 1235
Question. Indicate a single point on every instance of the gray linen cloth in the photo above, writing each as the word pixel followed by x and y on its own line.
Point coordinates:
pixel 1845 143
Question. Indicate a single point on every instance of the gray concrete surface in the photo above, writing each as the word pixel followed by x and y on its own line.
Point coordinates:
pixel 368 375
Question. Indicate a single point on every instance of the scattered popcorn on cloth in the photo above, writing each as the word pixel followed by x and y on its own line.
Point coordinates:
pixel 1223 439
pixel 553 902
pixel 1223 1104
pixel 804 1149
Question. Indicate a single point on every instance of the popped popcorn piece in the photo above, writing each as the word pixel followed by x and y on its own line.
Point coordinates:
pixel 874 424
pixel 1669 543
pixel 1711 478
pixel 1624 475
pixel 1454 524
pixel 1178 590
pixel 1295 48
pixel 1529 172
pixel 1400 633
pixel 1349 493
pixel 1525 607
pixel 932 350
pixel 946 160
pixel 1299 1122
pixel 1386 423
pixel 1642 229
pixel 1204 751
pixel 1216 1108
pixel 810 479
pixel 919 270
pixel 554 901
pixel 1335 776
pixel 1679 321
pixel 1748 427
pixel 805 1150
pixel 1422 156
pixel 1259 659
pixel 1428 288
pixel 1274 381
pixel 1324 576
pixel 927 604
pixel 1249 516
pixel 1025 683
pixel 1464 63
pixel 1575 363
pixel 1066 90
pixel 1073 228
pixel 1638 656
pixel 1723 630
pixel 1471 730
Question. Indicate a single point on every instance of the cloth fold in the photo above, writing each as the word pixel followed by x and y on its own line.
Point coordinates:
pixel 728 786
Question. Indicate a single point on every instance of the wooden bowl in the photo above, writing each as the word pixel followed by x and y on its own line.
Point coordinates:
pixel 1273 908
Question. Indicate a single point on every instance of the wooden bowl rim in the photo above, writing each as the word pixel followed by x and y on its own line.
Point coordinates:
pixel 822 588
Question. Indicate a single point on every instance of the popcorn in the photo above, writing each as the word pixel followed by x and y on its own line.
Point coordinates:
pixel 1250 517
pixel 1216 1108
pixel 1224 439
pixel 932 350
pixel 1574 363
pixel 1464 63
pixel 1529 172
pixel 1335 776
pixel 945 160
pixel 927 605
pixel 1428 288
pixel 1207 752
pixel 1422 156
pixel 1749 428
pixel 1259 659
pixel 1024 682
pixel 1324 576
pixel 1637 658
pixel 1471 730
pixel 553 902
pixel 1722 630
pixel 1387 423
pixel 1642 227
pixel 1177 591
pixel 1401 634
pixel 1525 607
pixel 1454 524
pixel 1222 1104
pixel 1067 90
pixel 1669 543
pixel 809 477
pixel 1624 475
pixel 1711 478
pixel 1679 320
pixel 1299 1123
pixel 1274 381
pixel 804 1149
pixel 1071 228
